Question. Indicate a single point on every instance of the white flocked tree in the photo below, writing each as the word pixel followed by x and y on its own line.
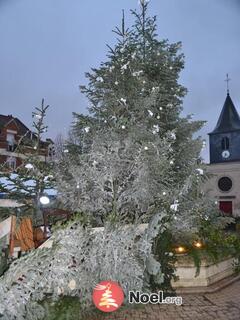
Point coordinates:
pixel 132 168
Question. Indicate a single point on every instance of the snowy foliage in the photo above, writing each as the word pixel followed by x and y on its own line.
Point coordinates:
pixel 78 260
pixel 117 175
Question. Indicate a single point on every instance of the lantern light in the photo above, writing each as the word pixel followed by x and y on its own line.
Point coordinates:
pixel 180 249
pixel 198 244
pixel 44 200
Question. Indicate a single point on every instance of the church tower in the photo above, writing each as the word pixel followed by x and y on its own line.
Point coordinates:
pixel 224 144
pixel 225 138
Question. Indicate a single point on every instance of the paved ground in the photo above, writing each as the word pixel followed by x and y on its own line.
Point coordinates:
pixel 222 305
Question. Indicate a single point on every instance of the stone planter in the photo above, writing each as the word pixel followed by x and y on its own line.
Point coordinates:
pixel 209 274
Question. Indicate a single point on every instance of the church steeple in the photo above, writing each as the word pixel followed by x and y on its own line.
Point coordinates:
pixel 225 138
pixel 229 119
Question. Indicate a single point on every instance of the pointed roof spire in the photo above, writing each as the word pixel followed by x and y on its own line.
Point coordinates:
pixel 229 119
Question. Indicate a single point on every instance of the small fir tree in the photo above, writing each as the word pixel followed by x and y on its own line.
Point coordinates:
pixel 33 178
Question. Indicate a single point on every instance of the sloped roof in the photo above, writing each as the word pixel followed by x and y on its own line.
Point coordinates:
pixel 4 120
pixel 22 129
pixel 229 119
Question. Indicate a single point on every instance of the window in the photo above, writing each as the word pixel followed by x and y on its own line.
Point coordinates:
pixel 225 184
pixel 10 138
pixel 11 162
pixel 11 142
pixel 225 143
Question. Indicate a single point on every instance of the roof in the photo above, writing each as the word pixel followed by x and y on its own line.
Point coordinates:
pixel 4 120
pixel 22 129
pixel 229 119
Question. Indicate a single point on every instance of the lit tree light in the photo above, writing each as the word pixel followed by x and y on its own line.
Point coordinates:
pixel 29 166
pixel 150 113
pixel 123 100
pixel 198 244
pixel 173 135
pixel 200 171
pixel 100 79
pixel 44 200
pixel 134 55
pixel 180 249
pixel 174 206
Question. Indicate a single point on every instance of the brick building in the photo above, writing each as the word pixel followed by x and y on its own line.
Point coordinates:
pixel 12 132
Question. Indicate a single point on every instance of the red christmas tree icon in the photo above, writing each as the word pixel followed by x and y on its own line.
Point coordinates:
pixel 108 296
pixel 107 299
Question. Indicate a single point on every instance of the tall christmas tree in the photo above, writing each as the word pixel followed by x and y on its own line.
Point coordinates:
pixel 135 155
pixel 33 178
pixel 134 151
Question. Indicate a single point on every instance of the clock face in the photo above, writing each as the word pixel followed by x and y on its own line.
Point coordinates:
pixel 225 154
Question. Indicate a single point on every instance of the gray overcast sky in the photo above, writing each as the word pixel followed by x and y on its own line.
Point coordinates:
pixel 47 45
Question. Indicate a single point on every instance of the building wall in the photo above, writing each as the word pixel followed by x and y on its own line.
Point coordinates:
pixel 6 153
pixel 231 170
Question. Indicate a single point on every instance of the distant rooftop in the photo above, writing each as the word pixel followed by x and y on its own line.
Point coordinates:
pixel 23 130
pixel 4 120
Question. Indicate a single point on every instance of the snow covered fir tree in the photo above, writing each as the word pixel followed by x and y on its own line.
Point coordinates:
pixel 132 173
pixel 33 178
